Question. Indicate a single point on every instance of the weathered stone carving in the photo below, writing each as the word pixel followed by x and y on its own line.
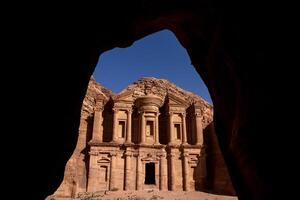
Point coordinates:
pixel 156 132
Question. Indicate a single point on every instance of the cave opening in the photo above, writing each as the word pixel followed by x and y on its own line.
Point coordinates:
pixel 156 64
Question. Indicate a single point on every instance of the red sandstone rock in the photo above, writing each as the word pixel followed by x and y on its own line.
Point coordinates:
pixel 75 179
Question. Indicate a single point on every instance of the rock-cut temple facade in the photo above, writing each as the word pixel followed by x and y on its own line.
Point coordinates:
pixel 149 136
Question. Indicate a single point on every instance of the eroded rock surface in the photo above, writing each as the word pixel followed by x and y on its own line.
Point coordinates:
pixel 77 171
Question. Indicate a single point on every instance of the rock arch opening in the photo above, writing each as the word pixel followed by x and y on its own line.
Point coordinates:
pixel 227 44
pixel 153 116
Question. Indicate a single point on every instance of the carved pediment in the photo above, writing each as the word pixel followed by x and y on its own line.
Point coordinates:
pixel 150 158
pixel 101 97
pixel 125 96
pixel 175 101
pixel 103 160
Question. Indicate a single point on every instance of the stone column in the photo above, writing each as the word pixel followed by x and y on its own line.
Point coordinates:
pixel 115 125
pixel 172 171
pixel 142 132
pixel 186 168
pixel 157 128
pixel 128 176
pixel 203 170
pixel 128 135
pixel 113 175
pixel 93 173
pixel 97 126
pixel 163 184
pixel 171 134
pixel 139 173
pixel 199 129
pixel 184 135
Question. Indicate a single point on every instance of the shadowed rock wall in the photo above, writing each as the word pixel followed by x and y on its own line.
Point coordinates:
pixel 55 49
pixel 218 179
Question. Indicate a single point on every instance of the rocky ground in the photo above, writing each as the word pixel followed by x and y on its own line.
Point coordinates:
pixel 147 195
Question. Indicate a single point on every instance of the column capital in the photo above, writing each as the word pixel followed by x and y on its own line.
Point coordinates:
pixel 141 112
pixel 99 108
pixel 115 109
pixel 185 154
pixel 99 102
pixel 129 154
pixel 113 154
pixel 135 154
pixel 183 114
pixel 198 114
pixel 170 113
pixel 129 110
pixel 171 155
pixel 162 155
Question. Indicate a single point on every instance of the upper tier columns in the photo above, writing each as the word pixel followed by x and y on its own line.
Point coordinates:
pixel 97 125
pixel 171 134
pixel 184 134
pixel 157 129
pixel 115 125
pixel 128 135
pixel 148 107
pixel 199 128
pixel 143 127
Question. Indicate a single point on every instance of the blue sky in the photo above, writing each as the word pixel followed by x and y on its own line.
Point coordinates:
pixel 158 55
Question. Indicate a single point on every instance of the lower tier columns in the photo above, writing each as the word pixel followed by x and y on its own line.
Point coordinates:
pixel 185 168
pixel 128 172
pixel 163 184
pixel 113 175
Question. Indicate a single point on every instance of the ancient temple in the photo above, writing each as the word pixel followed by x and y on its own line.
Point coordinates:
pixel 150 145
pixel 149 136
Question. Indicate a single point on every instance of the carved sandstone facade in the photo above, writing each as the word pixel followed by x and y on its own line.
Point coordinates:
pixel 149 136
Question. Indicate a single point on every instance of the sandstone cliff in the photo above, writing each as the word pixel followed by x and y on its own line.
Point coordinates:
pixel 75 177
pixel 93 91
pixel 75 170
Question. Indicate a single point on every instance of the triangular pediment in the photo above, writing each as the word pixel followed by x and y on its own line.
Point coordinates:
pixel 101 97
pixel 125 96
pixel 173 100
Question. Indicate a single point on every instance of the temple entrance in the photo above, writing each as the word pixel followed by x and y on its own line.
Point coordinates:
pixel 150 173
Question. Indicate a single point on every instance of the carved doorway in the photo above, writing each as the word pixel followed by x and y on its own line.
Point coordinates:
pixel 150 173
